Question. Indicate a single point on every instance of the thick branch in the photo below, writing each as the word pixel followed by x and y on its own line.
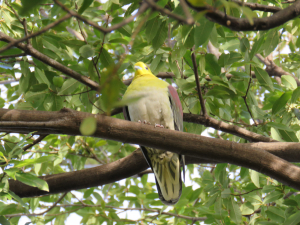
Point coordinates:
pixel 258 7
pixel 243 24
pixel 225 127
pixel 45 59
pixel 68 122
pixel 218 125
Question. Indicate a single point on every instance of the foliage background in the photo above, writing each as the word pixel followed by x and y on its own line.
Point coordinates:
pixel 84 59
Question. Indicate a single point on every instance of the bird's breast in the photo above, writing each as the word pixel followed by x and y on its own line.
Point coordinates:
pixel 153 107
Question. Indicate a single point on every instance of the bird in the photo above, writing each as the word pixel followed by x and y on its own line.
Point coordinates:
pixel 157 104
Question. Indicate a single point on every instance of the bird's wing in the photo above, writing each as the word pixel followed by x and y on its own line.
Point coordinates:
pixel 178 117
pixel 126 113
pixel 176 108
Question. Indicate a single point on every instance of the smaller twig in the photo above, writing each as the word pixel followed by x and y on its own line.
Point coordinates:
pixel 78 199
pixel 102 44
pixel 78 93
pixel 181 72
pixel 39 139
pixel 93 102
pixel 24 22
pixel 203 109
pixel 90 150
pixel 39 214
pixel 84 37
pixel 12 56
pixel 143 173
pixel 245 98
pixel 229 121
pixel 290 1
pixel 259 7
pixel 46 28
pixel 246 192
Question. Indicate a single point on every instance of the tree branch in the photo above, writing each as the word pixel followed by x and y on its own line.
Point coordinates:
pixel 14 42
pixel 39 139
pixel 202 102
pixel 243 24
pixel 45 59
pixel 259 7
pixel 41 213
pixel 225 127
pixel 68 121
pixel 218 125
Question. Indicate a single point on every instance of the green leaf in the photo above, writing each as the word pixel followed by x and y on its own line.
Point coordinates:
pixel 295 95
pixel 12 172
pixel 152 28
pixel 276 214
pixel 263 78
pixel 85 5
pixel 32 180
pixel 155 63
pixel 212 65
pixel 87 51
pixel 202 64
pixel 68 87
pixel 29 6
pixel 273 196
pixel 288 136
pixel 3 221
pixel 289 82
pixel 245 45
pixel 35 98
pixel 17 198
pixel 57 103
pixel 271 42
pixel 88 126
pixel 38 87
pixel 293 219
pixel 106 59
pixel 160 36
pixel 118 41
pixel 27 162
pixel 280 103
pixel 255 48
pixel 235 212
pixel 202 32
pixel 279 126
pixel 254 175
pixel 41 77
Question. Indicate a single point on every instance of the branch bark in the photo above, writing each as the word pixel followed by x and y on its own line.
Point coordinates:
pixel 68 121
pixel 258 7
pixel 243 24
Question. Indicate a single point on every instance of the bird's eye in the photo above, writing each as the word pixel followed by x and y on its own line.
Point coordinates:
pixel 146 68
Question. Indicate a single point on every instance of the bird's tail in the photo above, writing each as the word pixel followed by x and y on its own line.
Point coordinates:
pixel 166 167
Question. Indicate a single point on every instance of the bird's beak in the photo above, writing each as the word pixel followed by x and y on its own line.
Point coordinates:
pixel 137 68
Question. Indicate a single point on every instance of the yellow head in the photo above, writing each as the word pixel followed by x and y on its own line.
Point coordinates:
pixel 141 69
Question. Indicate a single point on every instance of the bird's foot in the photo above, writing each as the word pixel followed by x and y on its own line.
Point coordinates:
pixel 144 122
pixel 159 125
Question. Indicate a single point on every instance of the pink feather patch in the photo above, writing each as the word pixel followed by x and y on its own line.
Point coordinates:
pixel 175 98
